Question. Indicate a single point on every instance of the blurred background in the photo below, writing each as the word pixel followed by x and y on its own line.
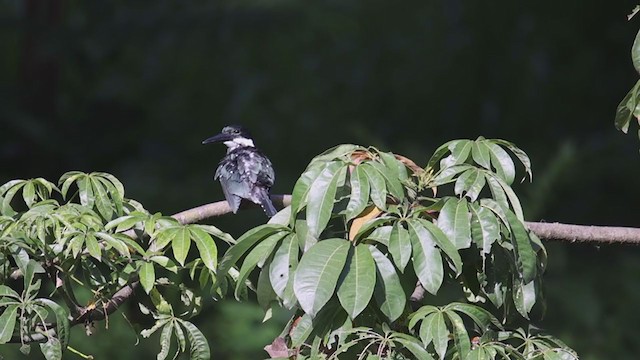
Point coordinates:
pixel 132 88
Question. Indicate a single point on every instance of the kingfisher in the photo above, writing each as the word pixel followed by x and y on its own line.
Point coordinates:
pixel 245 172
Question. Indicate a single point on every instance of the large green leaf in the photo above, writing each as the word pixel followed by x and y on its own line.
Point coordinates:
pixel 244 243
pixel 318 272
pixel 455 222
pixel 395 166
pixel 378 191
pixel 282 269
pixel 519 153
pixel 413 345
pixel 7 323
pixel 485 229
pixel 391 179
pixel 480 154
pixel 165 341
pixel 321 197
pixel 302 186
pixel 470 183
pixel 460 335
pixel 502 162
pixel 525 255
pixel 147 276
pixel 388 292
pixel 259 254
pixel 180 244
pixel 358 281
pixel 62 321
pixel 400 245
pixel 439 333
pixel 359 193
pixel 427 261
pixel 199 348
pixel 635 52
pixel 524 297
pixel 460 150
pixel 483 318
pixel 51 349
pixel 206 247
pixel 445 244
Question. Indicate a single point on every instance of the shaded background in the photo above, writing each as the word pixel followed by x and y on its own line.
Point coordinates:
pixel 132 88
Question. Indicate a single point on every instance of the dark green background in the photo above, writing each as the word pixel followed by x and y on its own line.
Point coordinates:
pixel 132 88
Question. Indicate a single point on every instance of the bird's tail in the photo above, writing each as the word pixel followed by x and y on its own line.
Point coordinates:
pixel 267 205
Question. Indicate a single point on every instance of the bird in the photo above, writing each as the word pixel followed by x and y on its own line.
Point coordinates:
pixel 244 172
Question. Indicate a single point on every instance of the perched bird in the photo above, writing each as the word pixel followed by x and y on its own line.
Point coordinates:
pixel 245 172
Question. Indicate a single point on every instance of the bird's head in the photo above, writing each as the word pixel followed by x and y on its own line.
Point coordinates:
pixel 233 136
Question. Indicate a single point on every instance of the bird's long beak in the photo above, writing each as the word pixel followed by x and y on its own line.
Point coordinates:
pixel 218 138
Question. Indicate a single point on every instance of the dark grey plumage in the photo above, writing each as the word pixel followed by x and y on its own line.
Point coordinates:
pixel 245 172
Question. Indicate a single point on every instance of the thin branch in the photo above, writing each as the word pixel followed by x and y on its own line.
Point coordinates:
pixel 585 233
pixel 220 208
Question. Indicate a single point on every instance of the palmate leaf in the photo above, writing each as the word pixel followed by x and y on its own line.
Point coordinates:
pixel 445 244
pixel 388 292
pixel 318 272
pixel 97 189
pixel 470 184
pixel 358 280
pixel 391 178
pixel 412 344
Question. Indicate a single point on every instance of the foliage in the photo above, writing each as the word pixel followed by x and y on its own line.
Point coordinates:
pixel 629 107
pixel 366 232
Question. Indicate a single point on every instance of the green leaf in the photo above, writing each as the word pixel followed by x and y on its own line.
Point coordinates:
pixel 358 281
pixel 282 268
pixel 259 254
pixel 502 162
pixel 93 246
pixel 413 345
pixel 51 349
pixel 115 243
pixel 102 200
pixel 359 193
pixel 206 247
pixel 483 318
pixel 7 323
pixel 86 191
pixel 165 262
pixel 63 328
pixel 388 291
pixel 480 154
pixel 244 243
pixel 525 256
pixel 7 291
pixel 180 244
pixel 625 111
pixel 29 193
pixel 445 244
pixel 378 191
pixel 471 183
pixel 395 166
pixel 460 335
pixel 521 155
pixel 391 179
pixel 318 272
pixel 485 229
pixel 427 261
pixel 264 291
pixel 454 220
pixel 446 175
pixel 439 333
pixel 524 297
pixel 400 245
pixel 165 341
pixel 302 330
pixel 321 197
pixel 302 186
pixel 635 52
pixel 199 348
pixel 460 150
pixel 147 276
